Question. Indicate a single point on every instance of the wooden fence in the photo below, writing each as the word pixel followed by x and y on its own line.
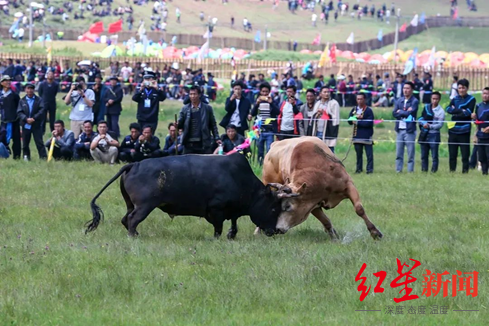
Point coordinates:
pixel 442 76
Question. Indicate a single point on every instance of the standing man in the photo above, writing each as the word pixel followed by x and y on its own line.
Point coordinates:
pixel 103 147
pixel 363 130
pixel 237 110
pixel 430 123
pixel 81 100
pixel 31 116
pixel 405 111
pixel 327 118
pixel 288 118
pixel 9 102
pixel 48 90
pixel 427 88
pixel 148 99
pixel 64 143
pixel 482 120
pixel 307 111
pixel 265 108
pixel 461 109
pixel 197 121
pixel 98 108
pixel 112 99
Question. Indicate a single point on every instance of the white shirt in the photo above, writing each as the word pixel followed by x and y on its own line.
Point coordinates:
pixel 235 120
pixel 126 72
pixel 287 123
pixel 454 91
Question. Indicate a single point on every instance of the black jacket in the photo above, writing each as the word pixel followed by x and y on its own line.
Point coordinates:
pixel 149 114
pixel 147 148
pixel 244 110
pixel 208 126
pixel 116 96
pixel 48 92
pixel 37 111
pixel 127 144
pixel 8 107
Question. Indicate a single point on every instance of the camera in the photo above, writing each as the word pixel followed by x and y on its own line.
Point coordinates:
pixel 147 83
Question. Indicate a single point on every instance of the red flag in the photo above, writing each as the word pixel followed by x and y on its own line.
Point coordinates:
pixel 403 28
pixel 317 40
pixel 96 28
pixel 115 27
pixel 332 53
pixel 325 115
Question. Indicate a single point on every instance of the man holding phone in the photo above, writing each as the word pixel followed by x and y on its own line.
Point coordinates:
pixel 289 116
pixel 237 110
pixel 148 98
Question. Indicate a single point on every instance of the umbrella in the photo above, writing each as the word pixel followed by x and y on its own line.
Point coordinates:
pixel 18 14
pixel 84 63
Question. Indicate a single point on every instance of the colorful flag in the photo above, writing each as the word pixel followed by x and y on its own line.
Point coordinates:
pixel 115 27
pixel 332 53
pixel 96 28
pixel 415 21
pixel 258 37
pixel 49 56
pixel 411 63
pixel 403 28
pixel 351 38
pixel 422 18
pixel 317 40
pixel 431 61
pixel 380 36
pixel 14 26
pixel 324 56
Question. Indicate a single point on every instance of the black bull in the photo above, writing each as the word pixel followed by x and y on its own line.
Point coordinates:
pixel 212 186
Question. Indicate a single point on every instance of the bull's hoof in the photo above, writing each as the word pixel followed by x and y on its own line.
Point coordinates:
pixel 217 235
pixel 231 235
pixel 333 234
pixel 133 234
pixel 376 234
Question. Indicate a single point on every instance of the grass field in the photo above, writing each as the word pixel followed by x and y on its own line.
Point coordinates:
pixel 445 39
pixel 281 23
pixel 175 273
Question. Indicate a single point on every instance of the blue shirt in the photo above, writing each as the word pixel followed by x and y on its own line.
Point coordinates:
pixel 30 102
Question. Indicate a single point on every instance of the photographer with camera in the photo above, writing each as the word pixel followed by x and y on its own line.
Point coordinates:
pixel 148 99
pixel 81 100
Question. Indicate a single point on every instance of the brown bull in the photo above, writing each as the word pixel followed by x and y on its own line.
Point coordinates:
pixel 309 178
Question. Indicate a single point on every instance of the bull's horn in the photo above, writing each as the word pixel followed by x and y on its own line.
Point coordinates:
pixel 275 185
pixel 284 195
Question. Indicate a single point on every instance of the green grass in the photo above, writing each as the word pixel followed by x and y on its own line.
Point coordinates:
pixel 175 273
pixel 448 39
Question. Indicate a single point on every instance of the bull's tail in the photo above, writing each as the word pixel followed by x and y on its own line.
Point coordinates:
pixel 96 210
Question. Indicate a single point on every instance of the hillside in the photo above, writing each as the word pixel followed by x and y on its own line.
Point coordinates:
pixel 282 24
pixel 445 39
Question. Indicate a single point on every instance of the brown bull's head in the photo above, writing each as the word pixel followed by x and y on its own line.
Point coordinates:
pixel 294 208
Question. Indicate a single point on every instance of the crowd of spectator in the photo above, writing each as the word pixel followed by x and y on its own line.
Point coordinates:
pixel 276 101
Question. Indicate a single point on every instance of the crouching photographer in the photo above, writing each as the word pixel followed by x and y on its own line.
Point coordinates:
pixel 82 101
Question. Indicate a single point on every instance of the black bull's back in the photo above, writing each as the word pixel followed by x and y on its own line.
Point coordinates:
pixel 211 186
